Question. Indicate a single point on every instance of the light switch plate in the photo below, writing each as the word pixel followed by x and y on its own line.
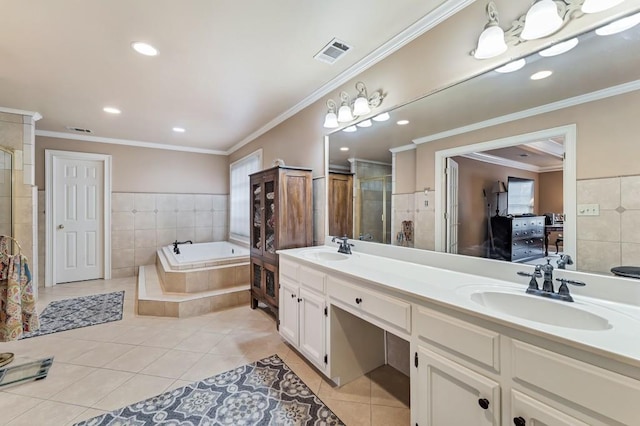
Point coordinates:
pixel 588 209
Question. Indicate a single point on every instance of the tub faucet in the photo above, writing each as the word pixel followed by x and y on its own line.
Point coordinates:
pixel 176 250
pixel 564 260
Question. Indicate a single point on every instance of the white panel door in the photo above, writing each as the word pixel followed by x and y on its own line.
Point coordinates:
pixel 78 202
pixel 451 214
pixel 312 326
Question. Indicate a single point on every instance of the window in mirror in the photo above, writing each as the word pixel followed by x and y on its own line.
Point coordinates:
pixel 520 196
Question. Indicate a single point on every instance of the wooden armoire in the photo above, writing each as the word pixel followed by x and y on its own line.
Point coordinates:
pixel 281 218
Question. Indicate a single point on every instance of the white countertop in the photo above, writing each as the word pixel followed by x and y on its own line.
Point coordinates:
pixel 453 289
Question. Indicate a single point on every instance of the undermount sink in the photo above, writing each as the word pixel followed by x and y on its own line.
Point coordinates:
pixel 324 255
pixel 539 309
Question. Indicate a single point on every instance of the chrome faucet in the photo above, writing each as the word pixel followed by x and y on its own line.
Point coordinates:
pixel 176 250
pixel 564 260
pixel 546 271
pixel 345 246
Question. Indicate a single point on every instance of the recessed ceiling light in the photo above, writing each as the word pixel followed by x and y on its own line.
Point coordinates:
pixel 365 123
pixel 382 117
pixel 178 130
pixel 111 110
pixel 619 25
pixel 541 74
pixel 560 48
pixel 144 48
pixel 350 129
pixel 402 122
pixel 344 148
pixel 512 66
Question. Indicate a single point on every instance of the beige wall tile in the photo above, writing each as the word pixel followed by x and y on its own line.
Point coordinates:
pixel 596 256
pixel 630 226
pixel 224 301
pixel 172 309
pixel 121 202
pixel 605 227
pixel 220 202
pixel 220 218
pixel 186 219
pixel 166 202
pixel 243 274
pixel 164 237
pixel 122 258
pixel 122 272
pixel 175 282
pixel 220 234
pixel 605 192
pixel 630 254
pixel 203 235
pixel 11 135
pixel 151 307
pixel 122 239
pixel 145 238
pixel 195 307
pixel 630 192
pixel 222 278
pixel 145 256
pixel 197 281
pixel 166 220
pixel 122 221
pixel 204 219
pixel 145 220
pixel 186 202
pixel 204 202
pixel 144 202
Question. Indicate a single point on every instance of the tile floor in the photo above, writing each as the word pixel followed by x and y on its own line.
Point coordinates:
pixel 105 367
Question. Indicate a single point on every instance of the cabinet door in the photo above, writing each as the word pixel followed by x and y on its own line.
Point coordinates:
pixel 340 188
pixel 257 216
pixel 270 223
pixel 256 279
pixel 312 326
pixel 270 286
pixel 450 394
pixel 288 312
pixel 526 411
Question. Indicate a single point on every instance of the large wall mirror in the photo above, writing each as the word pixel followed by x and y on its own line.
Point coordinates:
pixel 6 166
pixel 563 148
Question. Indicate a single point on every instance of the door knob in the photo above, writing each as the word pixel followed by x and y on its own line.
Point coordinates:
pixel 358 300
pixel 484 403
pixel 60 226
pixel 519 421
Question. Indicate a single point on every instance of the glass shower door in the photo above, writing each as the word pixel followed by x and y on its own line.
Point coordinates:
pixel 375 209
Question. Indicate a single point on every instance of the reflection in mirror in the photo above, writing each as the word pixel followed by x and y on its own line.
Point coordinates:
pixel 590 90
pixel 5 191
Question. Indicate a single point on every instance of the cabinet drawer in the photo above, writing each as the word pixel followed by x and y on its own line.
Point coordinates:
pixel 289 269
pixel 312 279
pixel 389 309
pixel 462 338
pixel 605 392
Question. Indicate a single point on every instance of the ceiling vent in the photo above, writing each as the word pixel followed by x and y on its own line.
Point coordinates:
pixel 332 51
pixel 78 129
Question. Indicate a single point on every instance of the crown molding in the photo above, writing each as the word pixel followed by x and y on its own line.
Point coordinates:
pixel 554 106
pixel 403 148
pixel 33 114
pixel 433 18
pixel 127 142
pixel 500 161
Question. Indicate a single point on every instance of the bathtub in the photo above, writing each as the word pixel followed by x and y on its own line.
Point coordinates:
pixel 201 255
pixel 203 267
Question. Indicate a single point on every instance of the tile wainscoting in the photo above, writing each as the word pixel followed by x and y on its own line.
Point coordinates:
pixel 143 222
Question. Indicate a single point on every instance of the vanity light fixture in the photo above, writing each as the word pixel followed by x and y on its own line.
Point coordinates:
pixel 111 110
pixel 144 48
pixel 542 20
pixel 512 66
pixel 491 41
pixel 540 75
pixel 179 129
pixel 350 129
pixel 348 110
pixel 595 6
pixel 382 117
pixel 620 25
pixel 402 122
pixel 344 148
pixel 560 48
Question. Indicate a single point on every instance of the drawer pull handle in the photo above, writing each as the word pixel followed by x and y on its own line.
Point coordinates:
pixel 519 421
pixel 484 403
pixel 299 300
pixel 358 300
pixel 293 296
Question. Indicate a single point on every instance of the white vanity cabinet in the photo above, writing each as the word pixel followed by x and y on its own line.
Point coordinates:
pixel 303 311
pixel 528 411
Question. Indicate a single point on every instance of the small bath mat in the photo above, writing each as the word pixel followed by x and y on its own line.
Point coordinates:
pixel 265 392
pixel 63 315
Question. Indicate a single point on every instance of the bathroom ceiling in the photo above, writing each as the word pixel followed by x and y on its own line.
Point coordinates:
pixel 225 68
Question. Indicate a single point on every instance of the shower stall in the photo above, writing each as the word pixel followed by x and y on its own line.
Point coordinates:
pixel 373 209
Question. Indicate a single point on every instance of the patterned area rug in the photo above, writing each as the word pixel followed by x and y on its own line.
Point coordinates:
pixel 78 312
pixel 265 392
